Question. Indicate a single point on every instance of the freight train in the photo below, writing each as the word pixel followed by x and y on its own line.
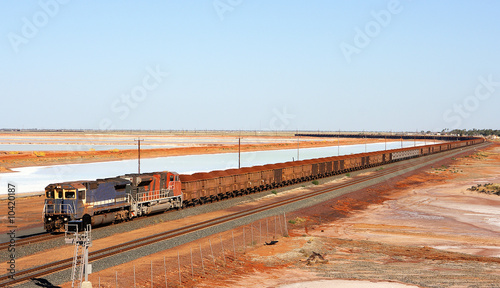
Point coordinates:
pixel 122 198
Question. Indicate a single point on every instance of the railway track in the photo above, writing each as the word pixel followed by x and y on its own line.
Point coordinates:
pixel 49 268
pixel 30 240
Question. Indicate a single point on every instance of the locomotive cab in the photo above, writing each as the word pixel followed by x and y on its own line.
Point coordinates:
pixel 174 184
pixel 61 205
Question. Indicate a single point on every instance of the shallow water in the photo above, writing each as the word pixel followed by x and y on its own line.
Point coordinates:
pixel 107 143
pixel 75 147
pixel 34 179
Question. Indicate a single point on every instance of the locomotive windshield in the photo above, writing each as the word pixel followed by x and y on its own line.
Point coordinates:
pixel 81 194
pixel 69 195
pixel 59 193
pixel 49 194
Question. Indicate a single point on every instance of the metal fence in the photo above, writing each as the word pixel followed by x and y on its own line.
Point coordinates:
pixel 190 263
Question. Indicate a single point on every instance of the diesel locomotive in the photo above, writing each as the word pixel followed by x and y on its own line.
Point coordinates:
pixel 110 200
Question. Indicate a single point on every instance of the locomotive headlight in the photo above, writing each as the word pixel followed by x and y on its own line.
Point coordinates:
pixel 65 219
pixel 50 219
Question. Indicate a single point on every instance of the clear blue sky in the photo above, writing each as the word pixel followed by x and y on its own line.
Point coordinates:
pixel 240 64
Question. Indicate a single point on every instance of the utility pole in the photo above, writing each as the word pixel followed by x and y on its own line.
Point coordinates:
pixel 364 135
pixel 298 139
pixel 338 144
pixel 139 154
pixel 239 153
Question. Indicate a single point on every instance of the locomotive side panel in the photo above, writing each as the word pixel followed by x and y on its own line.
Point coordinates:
pixel 148 188
pixel 107 195
pixel 107 201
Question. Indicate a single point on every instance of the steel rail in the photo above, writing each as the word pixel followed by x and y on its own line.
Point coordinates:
pixel 29 240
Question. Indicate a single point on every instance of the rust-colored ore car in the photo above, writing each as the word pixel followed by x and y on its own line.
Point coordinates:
pixel 216 185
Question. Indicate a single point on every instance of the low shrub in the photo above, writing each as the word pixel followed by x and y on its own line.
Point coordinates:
pixel 39 153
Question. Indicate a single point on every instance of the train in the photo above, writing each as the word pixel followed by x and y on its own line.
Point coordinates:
pixel 122 198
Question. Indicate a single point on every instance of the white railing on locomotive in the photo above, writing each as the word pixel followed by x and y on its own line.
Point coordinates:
pixel 153 195
pixel 51 209
pixel 91 201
